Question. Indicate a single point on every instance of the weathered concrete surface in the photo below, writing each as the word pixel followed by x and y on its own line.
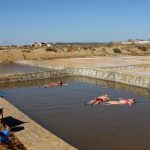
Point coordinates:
pixel 125 78
pixel 123 69
pixel 5 78
pixel 34 136
pixel 122 74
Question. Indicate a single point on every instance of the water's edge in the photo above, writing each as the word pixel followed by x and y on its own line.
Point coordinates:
pixel 41 138
pixel 58 71
pixel 32 135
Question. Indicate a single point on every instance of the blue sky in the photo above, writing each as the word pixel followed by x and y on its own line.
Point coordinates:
pixel 26 21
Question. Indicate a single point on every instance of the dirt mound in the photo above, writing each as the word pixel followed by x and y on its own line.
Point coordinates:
pixel 66 51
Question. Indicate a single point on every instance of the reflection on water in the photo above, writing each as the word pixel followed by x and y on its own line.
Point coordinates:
pixel 61 110
pixel 103 83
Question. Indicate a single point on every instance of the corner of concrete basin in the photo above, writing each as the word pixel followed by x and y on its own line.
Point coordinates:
pixel 33 136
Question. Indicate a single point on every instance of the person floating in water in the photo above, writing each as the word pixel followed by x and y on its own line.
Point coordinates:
pixel 59 83
pixel 98 100
pixel 129 102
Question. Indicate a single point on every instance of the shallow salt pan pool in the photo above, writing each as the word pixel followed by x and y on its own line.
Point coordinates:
pixel 61 110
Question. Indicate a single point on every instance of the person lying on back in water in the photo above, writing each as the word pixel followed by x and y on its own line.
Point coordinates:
pixel 129 102
pixel 59 83
pixel 99 99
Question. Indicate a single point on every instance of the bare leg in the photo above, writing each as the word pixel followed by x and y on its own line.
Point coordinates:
pixel 97 102
pixel 91 102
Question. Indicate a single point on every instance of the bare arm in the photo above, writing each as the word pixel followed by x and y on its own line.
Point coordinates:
pixel 111 103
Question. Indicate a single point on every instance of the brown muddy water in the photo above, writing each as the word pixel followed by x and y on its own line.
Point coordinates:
pixel 61 110
pixel 16 68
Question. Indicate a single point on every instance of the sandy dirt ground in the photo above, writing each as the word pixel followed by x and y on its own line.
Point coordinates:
pixel 12 53
pixel 98 62
pixel 111 61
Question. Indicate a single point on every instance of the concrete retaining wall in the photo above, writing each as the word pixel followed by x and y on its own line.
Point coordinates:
pixel 130 79
pixel 59 71
pixel 31 76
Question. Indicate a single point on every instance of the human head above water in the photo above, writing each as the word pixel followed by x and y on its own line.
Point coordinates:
pixel 106 96
pixel 132 100
pixel 60 82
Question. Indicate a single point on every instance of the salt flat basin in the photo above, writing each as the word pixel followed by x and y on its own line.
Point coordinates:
pixel 61 110
pixel 100 61
pixel 17 68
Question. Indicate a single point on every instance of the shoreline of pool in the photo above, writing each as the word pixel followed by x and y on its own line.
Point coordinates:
pixel 33 136
pixel 115 74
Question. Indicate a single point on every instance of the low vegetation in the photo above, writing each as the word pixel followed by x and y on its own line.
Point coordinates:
pixel 143 48
pixel 50 49
pixel 117 50
pixel 11 53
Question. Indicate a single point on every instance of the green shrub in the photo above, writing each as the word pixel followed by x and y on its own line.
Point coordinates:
pixel 117 50
pixel 26 50
pixel 50 49
pixel 143 48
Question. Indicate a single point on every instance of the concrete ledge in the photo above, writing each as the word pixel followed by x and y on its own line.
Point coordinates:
pixel 5 78
pixel 120 77
pixel 39 64
pixel 111 74
pixel 34 136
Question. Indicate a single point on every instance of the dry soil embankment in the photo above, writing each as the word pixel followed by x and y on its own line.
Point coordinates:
pixel 67 51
